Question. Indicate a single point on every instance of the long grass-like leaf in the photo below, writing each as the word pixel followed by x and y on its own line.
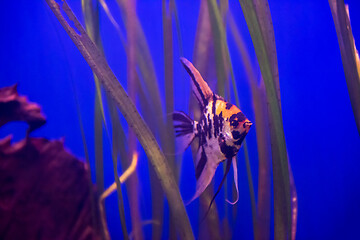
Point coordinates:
pixel 349 54
pixel 262 228
pixel 153 106
pixel 169 145
pixel 218 27
pixel 219 38
pixel 264 178
pixel 149 110
pixel 258 19
pixel 173 7
pixel 131 37
pixel 91 14
pixel 90 11
pixel 218 33
pixel 99 65
pixel 294 204
pixel 203 41
pixel 116 186
pixel 118 147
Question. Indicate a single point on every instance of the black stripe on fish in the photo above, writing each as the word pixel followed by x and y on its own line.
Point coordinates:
pixel 236 118
pixel 241 138
pixel 235 134
pixel 201 133
pixel 196 84
pixel 201 164
pixel 228 151
pixel 218 124
pixel 228 106
pixel 215 117
pixel 221 120
pixel 209 125
pixel 214 104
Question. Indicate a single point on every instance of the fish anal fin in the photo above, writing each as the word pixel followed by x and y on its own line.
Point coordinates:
pixel 204 171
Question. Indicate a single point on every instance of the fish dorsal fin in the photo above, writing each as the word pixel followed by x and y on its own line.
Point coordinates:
pixel 200 88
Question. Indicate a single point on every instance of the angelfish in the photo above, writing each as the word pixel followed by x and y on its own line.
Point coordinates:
pixel 221 130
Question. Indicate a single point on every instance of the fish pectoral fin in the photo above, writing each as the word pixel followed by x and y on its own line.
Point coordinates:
pixel 235 181
pixel 204 172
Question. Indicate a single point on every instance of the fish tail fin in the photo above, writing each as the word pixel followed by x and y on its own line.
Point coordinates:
pixel 184 131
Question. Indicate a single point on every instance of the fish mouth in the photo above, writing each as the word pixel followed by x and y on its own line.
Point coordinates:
pixel 247 124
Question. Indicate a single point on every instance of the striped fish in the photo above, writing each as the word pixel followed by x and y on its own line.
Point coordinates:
pixel 221 130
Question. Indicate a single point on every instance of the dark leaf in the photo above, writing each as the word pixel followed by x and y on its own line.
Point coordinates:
pixel 44 192
pixel 17 108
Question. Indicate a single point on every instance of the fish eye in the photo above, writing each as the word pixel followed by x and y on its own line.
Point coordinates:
pixel 234 123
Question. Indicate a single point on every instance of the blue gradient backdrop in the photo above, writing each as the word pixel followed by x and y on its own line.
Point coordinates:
pixel 322 140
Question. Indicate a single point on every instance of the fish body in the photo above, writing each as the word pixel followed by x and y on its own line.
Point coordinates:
pixel 221 130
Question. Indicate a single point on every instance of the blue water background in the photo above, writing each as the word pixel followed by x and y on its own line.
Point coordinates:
pixel 322 140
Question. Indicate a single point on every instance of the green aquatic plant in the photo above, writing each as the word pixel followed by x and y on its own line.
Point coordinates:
pixel 349 54
pixel 99 65
pixel 143 84
pixel 258 18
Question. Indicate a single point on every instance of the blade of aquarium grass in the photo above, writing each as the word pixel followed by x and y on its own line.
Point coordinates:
pixel 156 191
pixel 349 54
pixel 91 15
pixel 132 183
pixel 98 138
pixel 169 145
pixel 90 11
pixel 258 19
pixel 218 34
pixel 202 55
pixel 212 218
pixel 175 17
pixel 222 47
pixel 203 39
pixel 294 204
pixel 262 228
pixel 119 144
pixel 154 107
pixel 177 26
pixel 98 63
pixel 264 151
pixel 86 152
pixel 149 112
